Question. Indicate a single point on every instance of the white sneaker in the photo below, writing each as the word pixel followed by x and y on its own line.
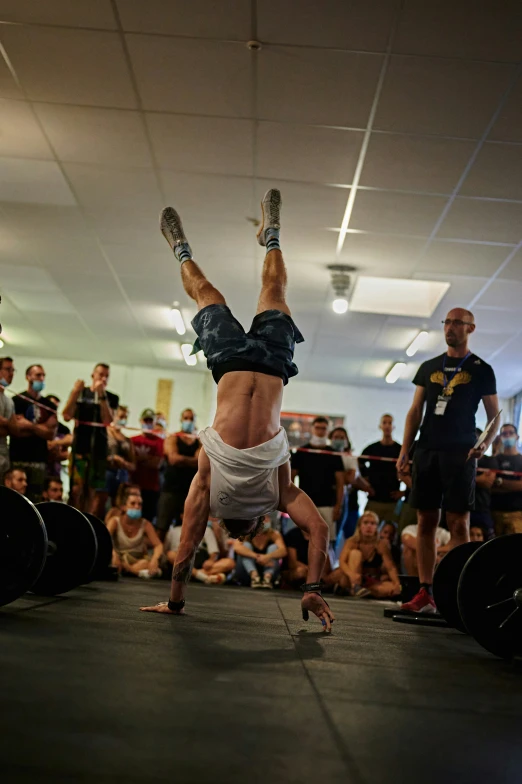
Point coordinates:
pixel 144 574
pixel 172 228
pixel 255 582
pixel 271 213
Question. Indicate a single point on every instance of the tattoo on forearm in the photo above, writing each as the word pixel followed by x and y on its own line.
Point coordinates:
pixel 183 568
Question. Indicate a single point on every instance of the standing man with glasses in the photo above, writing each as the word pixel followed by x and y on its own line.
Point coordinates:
pixel 448 390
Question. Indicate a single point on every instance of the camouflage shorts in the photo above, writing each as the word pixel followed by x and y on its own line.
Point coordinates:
pixel 269 343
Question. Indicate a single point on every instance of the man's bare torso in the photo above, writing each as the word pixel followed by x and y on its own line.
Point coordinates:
pixel 248 408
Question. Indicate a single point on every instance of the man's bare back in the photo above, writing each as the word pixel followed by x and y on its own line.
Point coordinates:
pixel 248 408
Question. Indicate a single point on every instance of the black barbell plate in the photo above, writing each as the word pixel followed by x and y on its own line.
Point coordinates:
pixel 446 580
pixel 426 619
pixel 104 539
pixel 23 545
pixel 71 552
pixel 489 604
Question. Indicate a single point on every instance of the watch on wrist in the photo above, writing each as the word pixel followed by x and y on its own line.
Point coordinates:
pixel 176 606
pixel 311 588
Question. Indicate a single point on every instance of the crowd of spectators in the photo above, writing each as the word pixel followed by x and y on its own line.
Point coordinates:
pixel 138 484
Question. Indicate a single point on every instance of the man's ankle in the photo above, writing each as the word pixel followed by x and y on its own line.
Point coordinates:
pixel 427 587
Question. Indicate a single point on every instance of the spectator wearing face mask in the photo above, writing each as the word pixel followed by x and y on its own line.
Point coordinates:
pixel 36 415
pixel 53 489
pixel 181 452
pixel 16 480
pixel 321 475
pixel 506 490
pixel 353 482
pixel 148 450
pixel 121 459
pixel 132 537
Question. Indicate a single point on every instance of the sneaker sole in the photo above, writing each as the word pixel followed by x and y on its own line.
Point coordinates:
pixel 167 231
pixel 260 233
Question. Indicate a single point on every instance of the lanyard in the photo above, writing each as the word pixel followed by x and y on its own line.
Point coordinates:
pixel 457 369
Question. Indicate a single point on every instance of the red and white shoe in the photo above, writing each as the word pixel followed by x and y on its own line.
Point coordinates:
pixel 422 602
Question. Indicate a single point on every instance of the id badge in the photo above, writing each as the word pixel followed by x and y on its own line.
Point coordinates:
pixel 440 406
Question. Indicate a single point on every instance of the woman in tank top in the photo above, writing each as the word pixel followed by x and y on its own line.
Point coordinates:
pixel 132 537
pixel 259 557
pixel 367 562
pixel 121 459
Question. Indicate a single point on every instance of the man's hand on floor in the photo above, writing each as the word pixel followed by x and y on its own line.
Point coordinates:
pixel 314 602
pixel 162 607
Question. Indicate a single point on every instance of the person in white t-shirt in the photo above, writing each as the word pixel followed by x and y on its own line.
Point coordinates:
pixel 9 425
pixel 208 566
pixel 409 547
pixel 244 463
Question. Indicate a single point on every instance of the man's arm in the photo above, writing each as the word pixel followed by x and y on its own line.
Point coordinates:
pixel 197 507
pixel 491 406
pixel 303 512
pixel 384 550
pixel 70 406
pixel 171 451
pixel 411 428
pixel 47 431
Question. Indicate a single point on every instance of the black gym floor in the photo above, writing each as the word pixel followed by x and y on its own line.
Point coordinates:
pixel 242 690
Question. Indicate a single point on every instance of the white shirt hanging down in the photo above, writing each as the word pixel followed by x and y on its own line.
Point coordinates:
pixel 244 482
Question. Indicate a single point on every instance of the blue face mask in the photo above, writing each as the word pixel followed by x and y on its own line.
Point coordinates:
pixel 187 425
pixel 147 426
pixel 161 422
pixel 37 386
pixel 134 514
pixel 4 382
pixel 121 422
pixel 509 441
pixel 339 444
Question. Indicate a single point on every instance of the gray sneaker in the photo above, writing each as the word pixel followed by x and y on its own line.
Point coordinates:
pixel 172 228
pixel 271 212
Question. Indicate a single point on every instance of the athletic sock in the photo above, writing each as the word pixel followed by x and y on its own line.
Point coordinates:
pixel 201 576
pixel 272 240
pixel 183 252
pixel 427 587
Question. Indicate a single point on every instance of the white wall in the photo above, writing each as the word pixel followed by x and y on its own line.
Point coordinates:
pixel 136 386
pixel 362 407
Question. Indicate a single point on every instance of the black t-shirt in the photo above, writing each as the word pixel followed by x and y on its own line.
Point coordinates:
pixel 62 430
pixel 464 390
pixel 295 539
pixel 91 440
pixel 381 475
pixel 483 494
pixel 317 474
pixel 177 478
pixel 507 502
pixel 32 449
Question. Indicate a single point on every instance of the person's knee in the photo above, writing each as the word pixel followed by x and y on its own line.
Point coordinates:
pixel 428 522
pixel 355 558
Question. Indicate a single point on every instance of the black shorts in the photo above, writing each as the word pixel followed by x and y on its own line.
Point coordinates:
pixel 267 347
pixel 442 479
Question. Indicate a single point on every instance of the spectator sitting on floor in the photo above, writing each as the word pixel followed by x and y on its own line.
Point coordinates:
pixel 259 557
pixel 477 533
pixel 296 563
pixel 208 567
pixel 132 536
pixel 124 491
pixel 53 489
pixel 367 563
pixel 120 453
pixel 409 547
pixel 16 479
pixel 340 442
pixel 389 532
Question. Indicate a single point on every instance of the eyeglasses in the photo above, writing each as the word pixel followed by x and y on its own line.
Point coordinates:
pixel 455 322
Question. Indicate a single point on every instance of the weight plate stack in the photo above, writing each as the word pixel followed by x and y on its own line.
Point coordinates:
pixel 446 581
pixel 490 596
pixel 23 545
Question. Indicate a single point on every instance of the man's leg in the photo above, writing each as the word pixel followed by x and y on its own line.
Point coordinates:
pixel 194 281
pixel 426 546
pixel 274 279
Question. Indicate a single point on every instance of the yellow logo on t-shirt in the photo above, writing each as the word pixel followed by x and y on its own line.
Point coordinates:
pixel 462 377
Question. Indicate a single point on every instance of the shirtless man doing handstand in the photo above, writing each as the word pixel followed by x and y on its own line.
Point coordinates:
pixel 243 467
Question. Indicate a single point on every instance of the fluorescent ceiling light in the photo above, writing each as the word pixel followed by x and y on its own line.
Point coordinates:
pixel 395 373
pixel 397 296
pixel 340 305
pixel 177 319
pixel 417 343
pixel 186 348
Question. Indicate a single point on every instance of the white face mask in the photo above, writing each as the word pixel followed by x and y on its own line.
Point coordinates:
pixel 319 440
